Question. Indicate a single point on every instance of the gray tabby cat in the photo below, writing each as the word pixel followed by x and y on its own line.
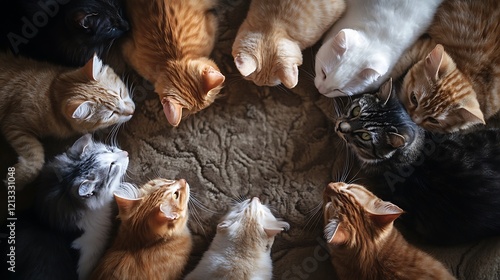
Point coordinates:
pixel 41 100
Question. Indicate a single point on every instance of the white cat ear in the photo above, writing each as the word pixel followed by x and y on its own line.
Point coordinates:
pixel 81 144
pixel 385 91
pixel 224 225
pixel 86 188
pixel 396 140
pixel 272 228
pixel 126 205
pixel 168 212
pixel 384 213
pixel 172 110
pixel 79 110
pixel 335 233
pixel 344 39
pixel 211 78
pixel 289 76
pixel 245 64
pixel 92 68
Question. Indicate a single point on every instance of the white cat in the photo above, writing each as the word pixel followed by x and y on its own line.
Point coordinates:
pixel 360 50
pixel 241 249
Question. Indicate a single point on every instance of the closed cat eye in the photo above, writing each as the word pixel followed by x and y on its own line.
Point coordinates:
pixel 356 111
pixel 432 120
pixel 413 98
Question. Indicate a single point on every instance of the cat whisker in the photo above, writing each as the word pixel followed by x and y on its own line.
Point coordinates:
pixel 198 204
pixel 313 217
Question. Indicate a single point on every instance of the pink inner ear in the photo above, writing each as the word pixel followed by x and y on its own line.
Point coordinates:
pixel 172 110
pixel 211 79
pixel 167 211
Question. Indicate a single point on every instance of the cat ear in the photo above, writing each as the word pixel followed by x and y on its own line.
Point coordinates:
pixel 335 233
pixel 383 213
pixel 82 19
pixel 211 79
pixel 470 115
pixel 272 228
pixel 396 140
pixel 224 225
pixel 86 188
pixel 126 205
pixel 168 212
pixel 245 64
pixel 79 110
pixel 79 146
pixel 385 91
pixel 438 63
pixel 289 76
pixel 172 110
pixel 92 68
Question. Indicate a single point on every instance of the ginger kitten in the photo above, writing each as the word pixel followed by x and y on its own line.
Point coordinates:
pixel 363 242
pixel 169 45
pixel 268 47
pixel 153 241
pixel 40 99
pixel 457 84
pixel 241 249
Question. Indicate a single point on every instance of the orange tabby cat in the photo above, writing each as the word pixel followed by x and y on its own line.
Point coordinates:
pixel 153 240
pixel 267 48
pixel 363 242
pixel 40 100
pixel 169 46
pixel 457 85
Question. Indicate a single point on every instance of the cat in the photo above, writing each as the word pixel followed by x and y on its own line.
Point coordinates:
pixel 268 45
pixel 363 242
pixel 41 99
pixel 153 241
pixel 169 45
pixel 361 48
pixel 455 86
pixel 73 209
pixel 437 178
pixel 247 231
pixel 64 32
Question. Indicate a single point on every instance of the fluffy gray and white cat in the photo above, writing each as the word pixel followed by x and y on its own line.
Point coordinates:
pixel 360 50
pixel 247 232
pixel 75 198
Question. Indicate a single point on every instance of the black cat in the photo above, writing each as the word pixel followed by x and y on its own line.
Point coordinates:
pixel 448 185
pixel 67 32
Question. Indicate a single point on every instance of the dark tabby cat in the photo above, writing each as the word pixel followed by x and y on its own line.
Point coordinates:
pixel 67 32
pixel 363 242
pixel 445 182
pixel 72 210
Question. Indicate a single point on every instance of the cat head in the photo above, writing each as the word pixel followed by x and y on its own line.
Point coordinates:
pixel 438 96
pixel 353 216
pixel 253 223
pixel 346 65
pixel 160 211
pixel 376 126
pixel 87 175
pixel 187 87
pixel 267 60
pixel 95 97
pixel 97 21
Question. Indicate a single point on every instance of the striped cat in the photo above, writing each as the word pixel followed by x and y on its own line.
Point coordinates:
pixel 41 100
pixel 363 242
pixel 457 84
pixel 169 45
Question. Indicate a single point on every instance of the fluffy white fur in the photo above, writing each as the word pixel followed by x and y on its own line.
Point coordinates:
pixel 241 249
pixel 360 50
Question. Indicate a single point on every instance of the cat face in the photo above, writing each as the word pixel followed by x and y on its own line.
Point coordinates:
pixel 253 223
pixel 438 96
pixel 346 65
pixel 161 210
pixel 267 60
pixel 187 87
pixel 100 100
pixel 376 126
pixel 353 215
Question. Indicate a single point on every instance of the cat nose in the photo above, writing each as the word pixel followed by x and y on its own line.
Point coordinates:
pixel 343 127
pixel 128 111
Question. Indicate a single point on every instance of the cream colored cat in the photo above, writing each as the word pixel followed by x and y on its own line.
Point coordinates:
pixel 41 99
pixel 267 48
